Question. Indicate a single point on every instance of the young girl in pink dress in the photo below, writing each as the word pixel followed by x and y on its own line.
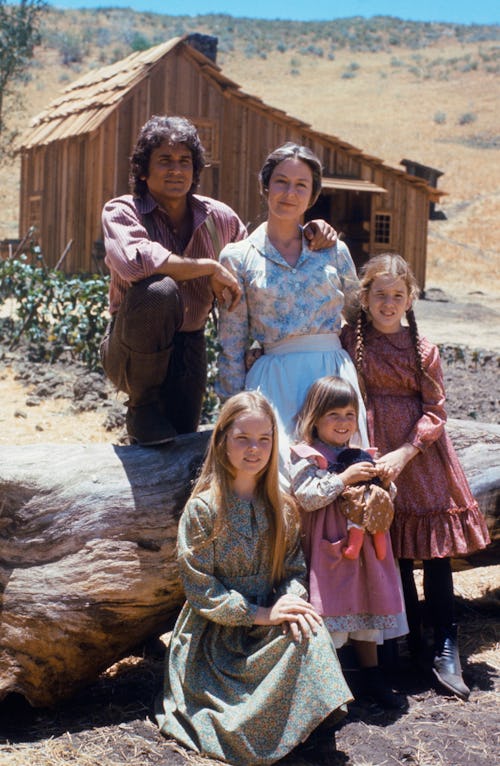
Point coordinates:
pixel 436 516
pixel 359 597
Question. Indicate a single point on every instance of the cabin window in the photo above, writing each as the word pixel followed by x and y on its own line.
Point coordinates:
pixel 382 228
pixel 208 133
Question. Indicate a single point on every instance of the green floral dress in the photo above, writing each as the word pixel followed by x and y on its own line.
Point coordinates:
pixel 240 692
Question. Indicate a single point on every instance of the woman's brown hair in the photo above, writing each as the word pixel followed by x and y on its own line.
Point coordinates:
pixel 292 151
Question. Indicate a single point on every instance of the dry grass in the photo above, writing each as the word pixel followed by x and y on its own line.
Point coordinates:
pixel 388 111
pixel 391 113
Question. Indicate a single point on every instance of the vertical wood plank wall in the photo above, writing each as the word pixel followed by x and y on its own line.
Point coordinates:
pixel 81 173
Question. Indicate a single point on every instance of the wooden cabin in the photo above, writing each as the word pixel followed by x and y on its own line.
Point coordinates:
pixel 75 158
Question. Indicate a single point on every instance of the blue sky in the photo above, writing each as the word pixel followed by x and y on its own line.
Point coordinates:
pixel 457 11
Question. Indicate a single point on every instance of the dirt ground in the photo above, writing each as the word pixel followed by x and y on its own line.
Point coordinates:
pixel 110 723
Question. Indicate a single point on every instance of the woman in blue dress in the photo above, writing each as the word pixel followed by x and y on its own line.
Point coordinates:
pixel 292 299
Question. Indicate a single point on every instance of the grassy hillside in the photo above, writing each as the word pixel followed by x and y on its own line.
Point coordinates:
pixel 423 91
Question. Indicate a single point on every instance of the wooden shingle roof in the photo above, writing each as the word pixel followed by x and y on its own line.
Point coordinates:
pixel 88 101
pixel 85 104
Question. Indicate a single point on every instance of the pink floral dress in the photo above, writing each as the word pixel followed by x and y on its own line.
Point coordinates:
pixel 435 513
pixel 363 594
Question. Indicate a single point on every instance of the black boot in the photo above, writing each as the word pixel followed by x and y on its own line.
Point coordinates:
pixel 446 666
pixel 375 687
pixel 320 746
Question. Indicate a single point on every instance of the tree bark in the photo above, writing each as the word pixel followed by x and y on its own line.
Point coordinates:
pixel 87 557
pixel 87 551
pixel 478 446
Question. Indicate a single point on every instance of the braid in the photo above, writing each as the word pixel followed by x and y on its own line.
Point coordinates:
pixel 415 337
pixel 359 349
pixel 417 344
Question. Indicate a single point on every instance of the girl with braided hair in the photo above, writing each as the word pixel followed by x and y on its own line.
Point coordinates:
pixel 436 516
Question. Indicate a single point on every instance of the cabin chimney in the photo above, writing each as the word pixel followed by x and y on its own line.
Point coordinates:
pixel 206 44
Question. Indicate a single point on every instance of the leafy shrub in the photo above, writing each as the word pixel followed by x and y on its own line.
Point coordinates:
pixel 440 118
pixel 467 118
pixel 102 37
pixel 312 50
pixel 139 42
pixel 250 51
pixel 225 45
pixel 469 66
pixel 211 401
pixel 56 313
pixel 71 47
pixel 351 71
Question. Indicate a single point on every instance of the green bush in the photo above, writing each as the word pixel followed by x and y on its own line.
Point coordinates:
pixel 467 118
pixel 211 403
pixel 54 312
pixel 139 42
pixel 70 45
pixel 57 313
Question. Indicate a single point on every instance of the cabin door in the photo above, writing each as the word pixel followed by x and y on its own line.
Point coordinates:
pixel 350 213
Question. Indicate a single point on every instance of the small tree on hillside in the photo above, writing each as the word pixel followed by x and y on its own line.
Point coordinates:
pixel 19 33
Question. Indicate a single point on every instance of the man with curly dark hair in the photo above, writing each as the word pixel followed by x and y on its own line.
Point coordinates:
pixel 162 246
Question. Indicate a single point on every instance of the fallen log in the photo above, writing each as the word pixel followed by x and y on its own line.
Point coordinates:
pixel 87 557
pixel 478 446
pixel 87 551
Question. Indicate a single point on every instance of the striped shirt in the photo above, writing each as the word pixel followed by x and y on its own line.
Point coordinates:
pixel 139 240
